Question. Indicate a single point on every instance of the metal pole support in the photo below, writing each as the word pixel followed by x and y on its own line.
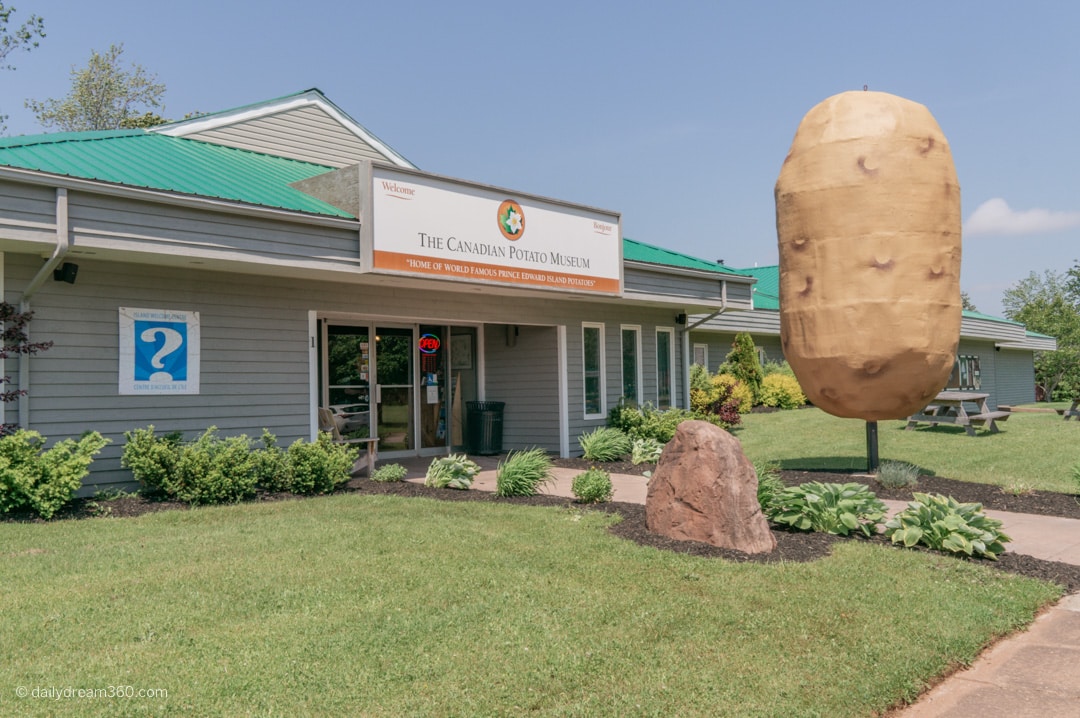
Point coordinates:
pixel 871 446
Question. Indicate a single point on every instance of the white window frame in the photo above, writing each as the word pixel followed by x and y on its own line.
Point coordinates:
pixel 603 372
pixel 670 331
pixel 636 328
pixel 705 353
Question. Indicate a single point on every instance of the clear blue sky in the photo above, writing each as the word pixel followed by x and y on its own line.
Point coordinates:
pixel 676 114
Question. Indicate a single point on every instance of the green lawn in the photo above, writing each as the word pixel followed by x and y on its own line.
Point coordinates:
pixel 383 606
pixel 1038 450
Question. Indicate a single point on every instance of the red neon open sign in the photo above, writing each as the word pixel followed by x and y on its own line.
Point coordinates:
pixel 429 343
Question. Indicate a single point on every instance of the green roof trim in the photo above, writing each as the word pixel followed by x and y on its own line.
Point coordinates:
pixel 137 158
pixel 635 251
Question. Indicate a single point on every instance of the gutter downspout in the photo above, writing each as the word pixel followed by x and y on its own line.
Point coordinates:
pixel 63 244
pixel 686 342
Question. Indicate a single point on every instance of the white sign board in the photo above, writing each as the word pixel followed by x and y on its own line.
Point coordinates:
pixel 435 227
pixel 159 351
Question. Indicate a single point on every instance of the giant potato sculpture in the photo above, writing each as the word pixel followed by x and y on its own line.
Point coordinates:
pixel 868 224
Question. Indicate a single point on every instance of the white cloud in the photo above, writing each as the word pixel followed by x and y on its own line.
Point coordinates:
pixel 994 216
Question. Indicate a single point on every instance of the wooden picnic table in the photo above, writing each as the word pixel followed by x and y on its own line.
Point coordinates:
pixel 948 408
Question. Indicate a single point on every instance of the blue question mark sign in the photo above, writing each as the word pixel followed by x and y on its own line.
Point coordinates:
pixel 161 351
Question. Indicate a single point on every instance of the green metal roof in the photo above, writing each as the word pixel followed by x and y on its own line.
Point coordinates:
pixel 636 251
pixel 767 289
pixel 767 294
pixel 136 158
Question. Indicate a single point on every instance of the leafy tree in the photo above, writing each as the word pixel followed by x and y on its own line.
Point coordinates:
pixel 103 96
pixel 147 119
pixel 24 37
pixel 966 303
pixel 1049 304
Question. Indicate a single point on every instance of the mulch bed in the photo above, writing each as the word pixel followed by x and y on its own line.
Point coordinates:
pixel 790 545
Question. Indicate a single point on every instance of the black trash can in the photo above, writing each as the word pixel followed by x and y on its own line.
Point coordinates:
pixel 484 427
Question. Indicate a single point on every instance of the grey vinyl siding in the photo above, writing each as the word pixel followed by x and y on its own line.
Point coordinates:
pixel 759 322
pixel 720 344
pixel 255 362
pixel 101 221
pixel 1015 377
pixel 987 366
pixel 29 212
pixel 306 133
pixel 526 377
pixel 670 284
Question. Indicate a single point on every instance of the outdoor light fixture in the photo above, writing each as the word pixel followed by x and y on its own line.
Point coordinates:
pixel 680 319
pixel 66 272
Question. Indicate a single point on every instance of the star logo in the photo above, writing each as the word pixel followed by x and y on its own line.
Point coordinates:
pixel 511 220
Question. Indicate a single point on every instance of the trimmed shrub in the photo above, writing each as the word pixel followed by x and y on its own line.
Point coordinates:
pixel 605 443
pixel 390 472
pixel 153 459
pixel 456 471
pixel 320 466
pixel 739 392
pixel 592 486
pixel 44 480
pixel 521 473
pixel 777 367
pixel 782 391
pixel 212 470
pixel 272 468
pixel 700 378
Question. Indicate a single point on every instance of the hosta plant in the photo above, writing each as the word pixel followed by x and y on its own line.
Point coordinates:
pixel 521 473
pixel 944 524
pixel 604 443
pixel 828 508
pixel 646 451
pixel 592 486
pixel 456 471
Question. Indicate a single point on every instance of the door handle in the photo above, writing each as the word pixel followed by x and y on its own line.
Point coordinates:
pixel 378 393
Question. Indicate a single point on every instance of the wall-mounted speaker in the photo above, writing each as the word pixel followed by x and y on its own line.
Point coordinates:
pixel 66 272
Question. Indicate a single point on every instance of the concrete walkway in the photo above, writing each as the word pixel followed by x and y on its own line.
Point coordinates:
pixel 1034 673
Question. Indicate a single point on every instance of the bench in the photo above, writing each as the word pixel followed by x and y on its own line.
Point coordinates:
pixel 990 416
pixel 330 423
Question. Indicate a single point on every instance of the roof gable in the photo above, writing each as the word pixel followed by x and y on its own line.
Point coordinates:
pixel 305 126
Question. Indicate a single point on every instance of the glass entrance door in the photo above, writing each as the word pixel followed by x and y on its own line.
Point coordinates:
pixel 394 381
pixel 347 388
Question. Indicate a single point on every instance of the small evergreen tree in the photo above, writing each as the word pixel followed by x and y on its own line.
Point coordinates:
pixel 744 363
pixel 15 342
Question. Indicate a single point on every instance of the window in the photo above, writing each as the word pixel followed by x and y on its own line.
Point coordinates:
pixel 665 361
pixel 631 365
pixel 965 373
pixel 592 339
pixel 701 355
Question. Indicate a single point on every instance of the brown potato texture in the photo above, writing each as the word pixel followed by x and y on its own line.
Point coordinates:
pixel 868 225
